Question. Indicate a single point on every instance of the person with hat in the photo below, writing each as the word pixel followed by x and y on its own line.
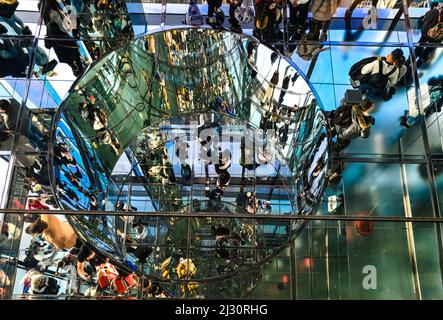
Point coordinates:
pixel 381 76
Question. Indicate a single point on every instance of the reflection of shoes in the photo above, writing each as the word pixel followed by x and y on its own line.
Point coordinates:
pixel 3 29
pixel 37 166
pixel 26 31
pixel 292 28
pixel 141 232
pixel 211 21
pixel 50 66
pixel 404 122
pixel 236 28
pixel 390 94
pixel 51 74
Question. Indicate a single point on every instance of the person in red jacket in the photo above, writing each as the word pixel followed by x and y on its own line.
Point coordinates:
pixel 36 204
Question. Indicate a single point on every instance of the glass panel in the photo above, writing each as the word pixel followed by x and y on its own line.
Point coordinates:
pixel 373 189
pixel 113 152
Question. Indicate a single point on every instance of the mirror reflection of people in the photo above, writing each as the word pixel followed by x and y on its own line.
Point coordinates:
pixel 9 112
pixel 153 289
pixel 379 76
pixel 226 242
pixel 251 203
pixel 298 16
pixel 224 162
pixel 43 284
pixel 214 9
pixel 5 282
pixel 428 23
pixel 55 231
pixel 86 254
pixel 351 122
pixel 59 27
pixel 233 5
pixel 284 88
pixel 122 206
pixel 37 204
pixel 69 264
pixel 8 232
pixel 268 17
pixel 435 91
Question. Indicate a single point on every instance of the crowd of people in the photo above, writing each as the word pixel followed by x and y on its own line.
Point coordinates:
pixel 15 53
pixel 54 243
pixel 373 78
pixel 65 23
pixel 68 22
pixel 98 119
pixel 431 28
pixel 377 78
pixel 9 116
pixel 267 17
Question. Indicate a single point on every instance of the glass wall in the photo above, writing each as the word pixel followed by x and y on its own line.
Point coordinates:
pixel 393 175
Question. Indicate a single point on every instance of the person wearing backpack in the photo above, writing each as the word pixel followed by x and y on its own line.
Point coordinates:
pixel 233 5
pixel 378 76
pixel 193 15
pixel 431 32
pixel 351 122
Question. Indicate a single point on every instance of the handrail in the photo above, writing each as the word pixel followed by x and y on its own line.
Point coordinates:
pixel 229 215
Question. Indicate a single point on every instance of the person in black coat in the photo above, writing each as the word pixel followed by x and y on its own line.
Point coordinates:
pixel 285 87
pixel 214 8
pixel 351 122
pixel 13 60
pixel 57 37
pixel 298 17
pixel 429 20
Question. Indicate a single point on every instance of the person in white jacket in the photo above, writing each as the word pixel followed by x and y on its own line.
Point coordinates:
pixel 393 69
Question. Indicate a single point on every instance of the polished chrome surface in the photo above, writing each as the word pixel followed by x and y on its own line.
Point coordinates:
pixel 139 102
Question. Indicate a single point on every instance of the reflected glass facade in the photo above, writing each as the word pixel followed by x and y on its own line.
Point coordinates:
pixel 146 157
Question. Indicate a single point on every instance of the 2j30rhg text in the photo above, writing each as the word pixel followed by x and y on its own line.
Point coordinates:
pixel 223 309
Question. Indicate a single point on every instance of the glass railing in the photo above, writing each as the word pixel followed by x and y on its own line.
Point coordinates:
pixel 334 257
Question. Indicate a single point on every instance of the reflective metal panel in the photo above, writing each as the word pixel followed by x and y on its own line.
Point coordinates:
pixel 256 134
